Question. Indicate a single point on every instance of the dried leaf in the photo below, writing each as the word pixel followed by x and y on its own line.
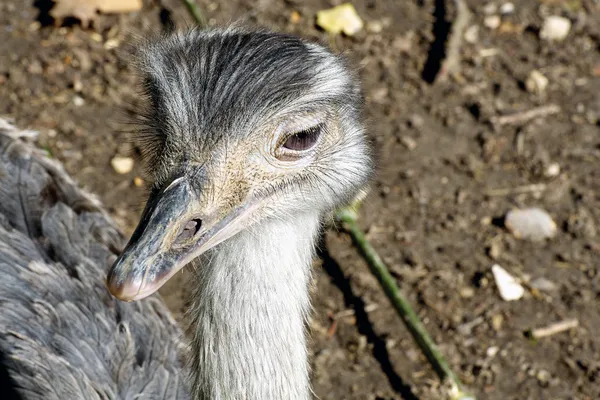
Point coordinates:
pixel 342 18
pixel 118 6
pixel 82 10
pixel 87 10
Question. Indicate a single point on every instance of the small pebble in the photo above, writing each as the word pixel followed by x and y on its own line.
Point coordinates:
pixel 552 170
pixel 494 250
pixel 543 285
pixel 78 101
pixel 379 95
pixel 34 26
pixel 543 377
pixel 374 26
pixel 35 67
pixel 536 82
pixel 472 34
pixel 138 181
pixel 416 121
pixel 555 28
pixel 497 321
pixel 492 21
pixel 408 142
pixel 362 343
pixel 531 223
pixel 111 44
pixel 295 17
pixel 508 286
pixel 77 85
pixel 467 292
pixel 122 165
pixel 507 8
pixel 96 37
pixel 492 351
pixel 490 8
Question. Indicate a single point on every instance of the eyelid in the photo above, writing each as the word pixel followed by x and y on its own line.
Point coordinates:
pixel 300 122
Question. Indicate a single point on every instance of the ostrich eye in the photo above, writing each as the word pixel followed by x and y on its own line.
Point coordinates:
pixel 303 140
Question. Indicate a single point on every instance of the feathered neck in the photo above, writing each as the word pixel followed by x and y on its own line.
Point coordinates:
pixel 249 311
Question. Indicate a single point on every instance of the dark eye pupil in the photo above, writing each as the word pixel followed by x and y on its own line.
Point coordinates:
pixel 303 140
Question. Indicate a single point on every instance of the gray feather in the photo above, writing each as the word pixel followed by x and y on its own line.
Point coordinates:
pixel 62 335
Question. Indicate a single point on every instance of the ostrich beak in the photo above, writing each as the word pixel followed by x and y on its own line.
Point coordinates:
pixel 171 234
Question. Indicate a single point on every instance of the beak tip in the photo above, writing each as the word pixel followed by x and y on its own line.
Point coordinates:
pixel 122 289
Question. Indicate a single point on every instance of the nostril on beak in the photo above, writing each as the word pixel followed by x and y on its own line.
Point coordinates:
pixel 189 230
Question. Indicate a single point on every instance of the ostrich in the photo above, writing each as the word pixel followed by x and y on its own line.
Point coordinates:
pixel 251 140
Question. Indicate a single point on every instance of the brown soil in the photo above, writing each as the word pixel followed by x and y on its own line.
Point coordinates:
pixel 428 213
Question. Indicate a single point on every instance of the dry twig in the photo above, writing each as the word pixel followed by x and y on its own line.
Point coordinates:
pixel 533 188
pixel 521 117
pixel 350 313
pixel 555 328
pixel 451 64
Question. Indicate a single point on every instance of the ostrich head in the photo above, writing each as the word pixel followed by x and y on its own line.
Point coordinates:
pixel 251 138
pixel 243 127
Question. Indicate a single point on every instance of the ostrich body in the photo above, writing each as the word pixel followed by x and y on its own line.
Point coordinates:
pixel 250 139
pixel 62 335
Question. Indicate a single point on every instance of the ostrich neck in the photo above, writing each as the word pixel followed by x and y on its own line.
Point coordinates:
pixel 249 312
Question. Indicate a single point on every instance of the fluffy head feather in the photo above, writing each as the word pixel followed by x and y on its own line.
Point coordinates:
pixel 218 99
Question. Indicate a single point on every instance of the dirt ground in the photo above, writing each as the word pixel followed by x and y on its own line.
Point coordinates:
pixel 447 175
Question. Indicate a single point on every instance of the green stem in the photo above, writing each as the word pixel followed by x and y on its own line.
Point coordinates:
pixel 195 12
pixel 349 219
